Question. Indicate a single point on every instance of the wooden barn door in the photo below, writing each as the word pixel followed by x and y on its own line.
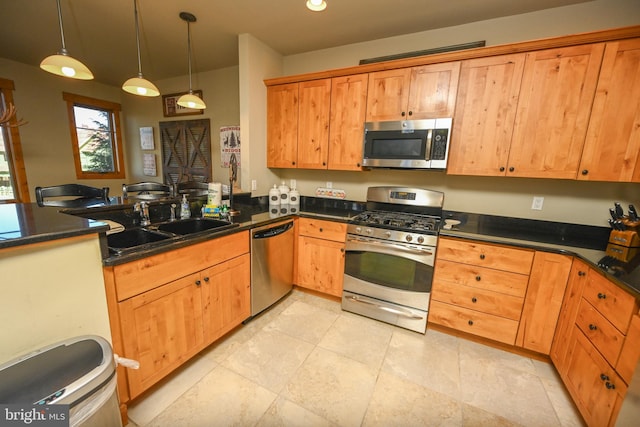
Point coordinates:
pixel 186 150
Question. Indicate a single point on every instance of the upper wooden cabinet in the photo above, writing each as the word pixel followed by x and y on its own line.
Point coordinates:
pixel 425 92
pixel 485 113
pixel 282 125
pixel 313 123
pixel 612 147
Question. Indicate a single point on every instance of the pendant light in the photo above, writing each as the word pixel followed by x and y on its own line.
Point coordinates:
pixel 190 100
pixel 316 5
pixel 139 85
pixel 62 64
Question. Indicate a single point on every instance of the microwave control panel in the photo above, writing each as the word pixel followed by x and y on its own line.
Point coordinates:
pixel 439 144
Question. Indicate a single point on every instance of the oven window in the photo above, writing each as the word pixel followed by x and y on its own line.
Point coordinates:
pixel 389 270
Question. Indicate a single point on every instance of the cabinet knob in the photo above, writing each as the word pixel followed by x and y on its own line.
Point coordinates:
pixel 321 229
pixel 501 168
pixel 470 322
pixel 602 296
pixel 610 386
pixel 411 113
pixel 585 172
pixel 474 300
pixel 293 163
pixel 604 377
pixel 478 278
pixel 324 163
pixel 206 279
pixel 198 283
pixel 481 256
pixel 581 273
pixel 593 327
pixel 358 164
pixel 511 169
pixel 403 114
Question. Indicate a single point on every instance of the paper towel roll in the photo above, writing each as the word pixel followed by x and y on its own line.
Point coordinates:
pixel 214 194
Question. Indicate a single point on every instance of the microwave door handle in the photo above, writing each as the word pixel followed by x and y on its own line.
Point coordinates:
pixel 427 153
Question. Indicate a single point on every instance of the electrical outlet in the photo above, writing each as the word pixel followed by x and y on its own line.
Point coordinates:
pixel 536 205
pixel 329 184
pixel 293 184
pixel 254 185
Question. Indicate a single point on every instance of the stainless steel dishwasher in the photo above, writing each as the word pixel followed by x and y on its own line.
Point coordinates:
pixel 271 264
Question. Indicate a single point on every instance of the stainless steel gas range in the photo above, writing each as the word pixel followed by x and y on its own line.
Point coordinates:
pixel 390 255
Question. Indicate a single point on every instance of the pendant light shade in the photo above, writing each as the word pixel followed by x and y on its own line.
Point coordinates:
pixel 62 64
pixel 190 100
pixel 139 85
pixel 316 5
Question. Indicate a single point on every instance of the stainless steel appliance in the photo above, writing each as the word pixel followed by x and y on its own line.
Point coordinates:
pixel 410 144
pixel 271 264
pixel 390 255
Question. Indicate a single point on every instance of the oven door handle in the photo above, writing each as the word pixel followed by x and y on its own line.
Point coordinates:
pixel 361 245
pixel 399 312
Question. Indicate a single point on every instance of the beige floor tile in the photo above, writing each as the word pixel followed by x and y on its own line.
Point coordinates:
pixel 476 417
pixel 479 354
pixel 398 402
pixel 333 386
pixel 303 321
pixel 430 360
pixel 284 413
pixel 269 359
pixel 222 398
pixel 163 394
pixel 565 408
pixel 358 338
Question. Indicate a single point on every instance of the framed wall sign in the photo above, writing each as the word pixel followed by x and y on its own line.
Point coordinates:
pixel 170 106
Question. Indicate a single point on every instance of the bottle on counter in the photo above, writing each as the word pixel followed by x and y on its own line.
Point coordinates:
pixel 294 197
pixel 274 196
pixel 284 193
pixel 214 194
pixel 185 209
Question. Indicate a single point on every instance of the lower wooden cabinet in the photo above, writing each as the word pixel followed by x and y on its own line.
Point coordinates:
pixel 320 255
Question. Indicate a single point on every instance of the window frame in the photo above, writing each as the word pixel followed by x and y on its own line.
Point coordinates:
pixel 116 142
pixel 13 149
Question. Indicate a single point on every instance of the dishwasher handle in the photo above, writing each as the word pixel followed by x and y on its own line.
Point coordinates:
pixel 266 233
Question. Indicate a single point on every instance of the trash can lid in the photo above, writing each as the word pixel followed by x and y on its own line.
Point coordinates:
pixel 65 372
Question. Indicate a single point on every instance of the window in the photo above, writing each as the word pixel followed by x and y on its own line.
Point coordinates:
pixel 13 177
pixel 95 137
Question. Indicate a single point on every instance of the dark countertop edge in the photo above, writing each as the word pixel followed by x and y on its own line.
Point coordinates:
pixel 49 237
pixel 591 256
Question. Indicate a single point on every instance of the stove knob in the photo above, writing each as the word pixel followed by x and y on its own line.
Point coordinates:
pixel 369 231
pixel 387 233
pixel 420 239
pixel 409 238
pixel 358 229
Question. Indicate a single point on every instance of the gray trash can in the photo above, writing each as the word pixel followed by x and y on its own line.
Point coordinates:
pixel 79 372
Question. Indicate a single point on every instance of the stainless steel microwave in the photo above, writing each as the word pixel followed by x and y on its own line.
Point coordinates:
pixel 407 144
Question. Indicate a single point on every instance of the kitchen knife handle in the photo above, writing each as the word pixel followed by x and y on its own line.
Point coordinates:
pixel 619 210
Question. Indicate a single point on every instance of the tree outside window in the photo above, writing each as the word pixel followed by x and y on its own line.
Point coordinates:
pixel 96 137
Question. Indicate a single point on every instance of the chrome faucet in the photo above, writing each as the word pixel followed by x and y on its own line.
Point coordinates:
pixel 143 208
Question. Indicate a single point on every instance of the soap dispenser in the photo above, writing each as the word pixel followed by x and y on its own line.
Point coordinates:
pixel 185 209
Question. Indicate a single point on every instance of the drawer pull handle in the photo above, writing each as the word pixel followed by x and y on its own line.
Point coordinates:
pixel 470 322
pixel 581 273
pixel 601 295
pixel 198 282
pixel 481 256
pixel 478 278
pixel 604 377
pixel 206 279
pixel 609 385
pixel 474 300
pixel 593 327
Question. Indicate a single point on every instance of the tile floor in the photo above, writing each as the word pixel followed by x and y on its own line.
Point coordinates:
pixel 305 362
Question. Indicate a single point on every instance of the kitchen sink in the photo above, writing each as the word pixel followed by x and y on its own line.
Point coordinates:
pixel 134 238
pixel 193 225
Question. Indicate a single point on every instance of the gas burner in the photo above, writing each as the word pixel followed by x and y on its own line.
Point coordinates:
pixel 398 221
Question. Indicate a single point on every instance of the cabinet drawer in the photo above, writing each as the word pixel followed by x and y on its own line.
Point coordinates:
pixel 602 334
pixel 612 302
pixel 486 255
pixel 329 230
pixel 473 322
pixel 478 299
pixel 513 284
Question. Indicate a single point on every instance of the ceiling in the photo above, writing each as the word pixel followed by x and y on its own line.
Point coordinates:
pixel 101 33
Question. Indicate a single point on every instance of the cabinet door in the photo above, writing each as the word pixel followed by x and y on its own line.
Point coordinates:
pixel 568 312
pixel 595 387
pixel 388 93
pixel 226 296
pixel 612 147
pixel 163 330
pixel 282 126
pixel 432 92
pixel 485 114
pixel 547 284
pixel 558 86
pixel 313 123
pixel 348 113
pixel 321 265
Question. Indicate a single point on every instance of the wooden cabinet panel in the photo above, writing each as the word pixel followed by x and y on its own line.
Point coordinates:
pixel 558 86
pixel 321 265
pixel 348 113
pixel 611 301
pixel 630 353
pixel 513 284
pixel 313 123
pixel 322 229
pixel 162 329
pixel 602 334
pixel 388 93
pixel 282 125
pixel 612 148
pixel 595 387
pixel 545 292
pixel 478 299
pixel 433 89
pixel 485 113
pixel 486 255
pixel 474 322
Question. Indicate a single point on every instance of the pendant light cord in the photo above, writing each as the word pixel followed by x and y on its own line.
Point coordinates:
pixel 189 52
pixel 135 12
pixel 64 48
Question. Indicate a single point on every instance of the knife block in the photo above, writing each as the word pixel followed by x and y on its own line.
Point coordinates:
pixel 623 245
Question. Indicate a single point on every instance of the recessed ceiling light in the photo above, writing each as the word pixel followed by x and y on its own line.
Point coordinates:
pixel 316 5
